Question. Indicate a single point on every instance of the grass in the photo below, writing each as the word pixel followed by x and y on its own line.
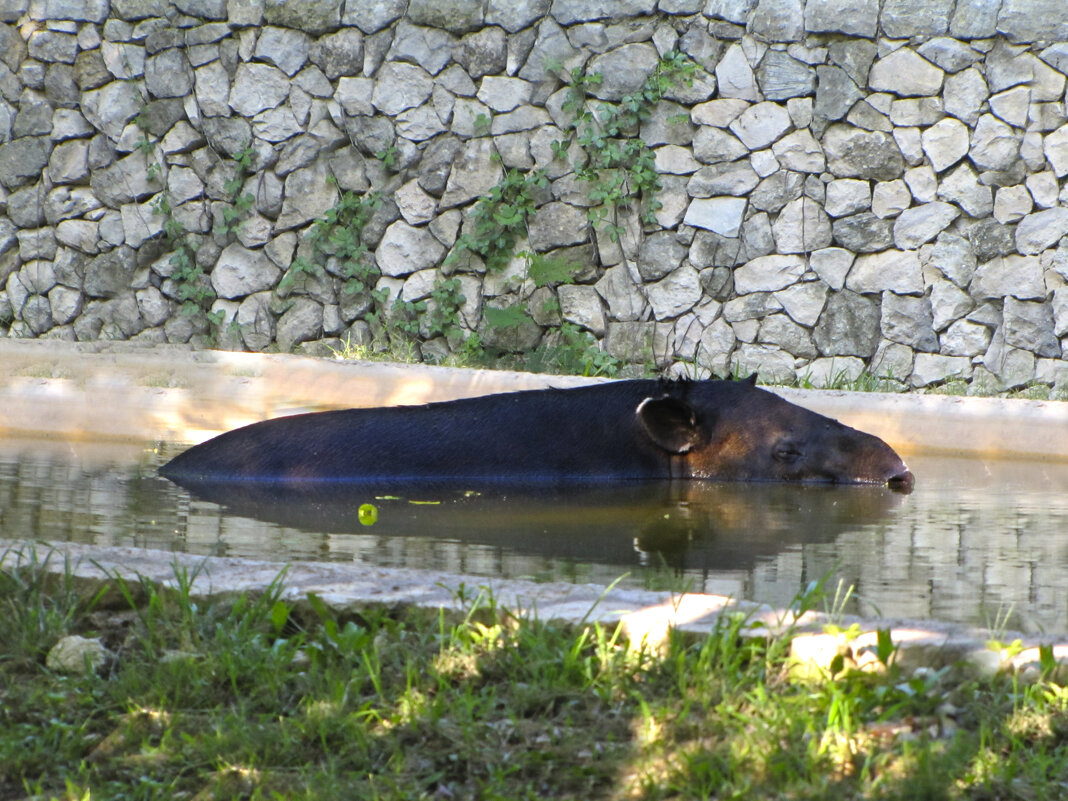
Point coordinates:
pixel 254 697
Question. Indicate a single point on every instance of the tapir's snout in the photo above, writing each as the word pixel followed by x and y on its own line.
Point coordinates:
pixel 902 482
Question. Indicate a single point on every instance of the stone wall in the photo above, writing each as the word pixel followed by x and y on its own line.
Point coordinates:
pixel 843 185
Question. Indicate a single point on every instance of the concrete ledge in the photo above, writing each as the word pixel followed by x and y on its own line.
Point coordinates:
pixel 120 391
pixel 646 616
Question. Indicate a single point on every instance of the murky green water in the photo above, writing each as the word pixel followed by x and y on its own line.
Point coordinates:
pixel 976 542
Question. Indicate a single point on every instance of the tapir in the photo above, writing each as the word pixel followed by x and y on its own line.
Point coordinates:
pixel 612 431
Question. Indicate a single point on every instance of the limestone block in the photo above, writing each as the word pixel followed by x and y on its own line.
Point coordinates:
pixel 848 326
pixel 1055 146
pixel 778 189
pixel 625 301
pixel 661 253
pixel 502 93
pixel 1029 325
pixel 945 143
pixel 804 301
pixel 780 330
pixel 1033 20
pixel 735 178
pixel 1012 106
pixel 240 272
pixel 1012 203
pixel 430 48
pixel 1059 308
pixel 624 70
pixel 965 338
pixel 905 73
pixel 965 93
pixel 768 273
pixel 371 16
pixel 338 54
pixel 855 17
pixel 903 19
pixel 770 362
pixel 950 54
pixel 1016 276
pixel 832 266
pixel 890 270
pixel 836 93
pixel 308 196
pixel 909 321
pixel 718 113
pixel 1044 188
pixel 949 303
pixel 890 198
pixel 933 368
pixel 994 145
pixel 581 304
pixel 847 196
pixel 301 322
pixel 675 160
pixel 735 77
pixel 781 76
pixel 802 227
pixel 723 215
pixel 1041 230
pixel 557 225
pixel 922 183
pixel 405 249
pixel 855 153
pixel 863 233
pixel 962 187
pixel 400 86
pixel 923 223
pixel 831 371
pixel 713 145
pixel 675 294
pixel 761 124
pixel 285 48
pixel 82 235
pixel 258 87
pixel 799 151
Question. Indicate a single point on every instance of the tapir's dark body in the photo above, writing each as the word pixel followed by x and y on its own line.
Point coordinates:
pixel 642 429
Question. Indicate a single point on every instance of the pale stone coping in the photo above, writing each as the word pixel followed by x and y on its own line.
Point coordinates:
pixel 118 391
pixel 646 616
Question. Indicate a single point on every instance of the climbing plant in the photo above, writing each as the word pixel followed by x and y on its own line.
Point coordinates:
pixel 500 217
pixel 614 161
pixel 338 234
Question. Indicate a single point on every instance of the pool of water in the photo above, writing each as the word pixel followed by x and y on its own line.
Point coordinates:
pixel 977 542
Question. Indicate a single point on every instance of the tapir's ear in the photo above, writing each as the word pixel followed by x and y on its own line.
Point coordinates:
pixel 670 423
pixel 751 380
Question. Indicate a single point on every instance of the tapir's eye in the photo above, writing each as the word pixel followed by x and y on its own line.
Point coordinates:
pixel 787 452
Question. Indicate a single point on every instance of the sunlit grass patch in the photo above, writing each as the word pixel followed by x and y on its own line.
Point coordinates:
pixel 256 696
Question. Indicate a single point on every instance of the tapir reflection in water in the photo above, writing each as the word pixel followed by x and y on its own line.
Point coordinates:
pixel 634 429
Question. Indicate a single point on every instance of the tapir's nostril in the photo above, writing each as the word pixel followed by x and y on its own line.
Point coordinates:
pixel 902 482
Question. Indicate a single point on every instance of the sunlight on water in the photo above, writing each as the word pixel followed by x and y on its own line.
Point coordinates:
pixel 976 542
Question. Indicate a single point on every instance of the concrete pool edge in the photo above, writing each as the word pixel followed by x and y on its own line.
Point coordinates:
pixel 646 616
pixel 119 391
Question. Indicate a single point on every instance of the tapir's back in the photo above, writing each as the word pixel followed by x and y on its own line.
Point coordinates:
pixel 545 434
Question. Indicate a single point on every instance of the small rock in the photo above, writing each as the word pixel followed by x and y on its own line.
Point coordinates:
pixel 77 655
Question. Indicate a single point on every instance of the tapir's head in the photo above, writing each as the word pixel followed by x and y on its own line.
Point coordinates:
pixel 734 431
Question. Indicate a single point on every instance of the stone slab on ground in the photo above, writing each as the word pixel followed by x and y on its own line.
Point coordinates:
pixel 646 616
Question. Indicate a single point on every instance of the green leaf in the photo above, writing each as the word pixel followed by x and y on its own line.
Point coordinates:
pixel 508 317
